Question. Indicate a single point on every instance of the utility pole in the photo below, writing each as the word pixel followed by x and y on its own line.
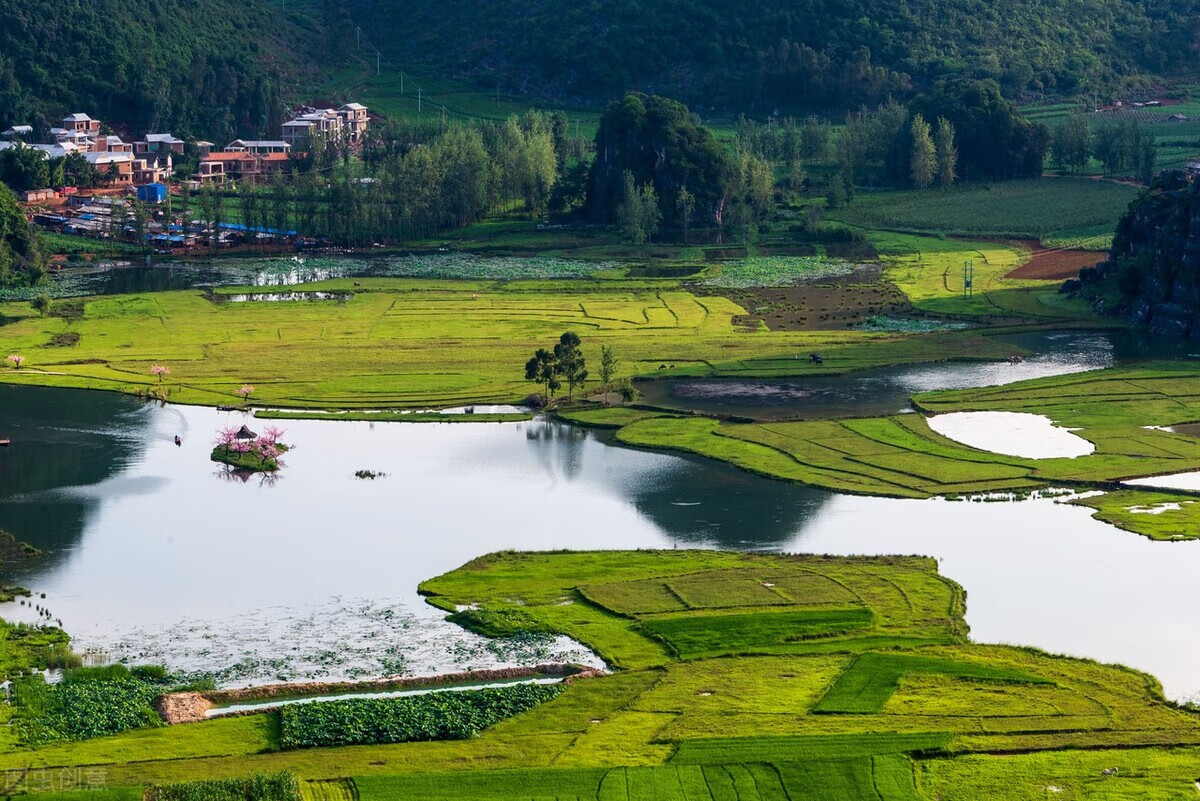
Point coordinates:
pixel 377 67
pixel 968 279
pixel 418 100
pixel 402 83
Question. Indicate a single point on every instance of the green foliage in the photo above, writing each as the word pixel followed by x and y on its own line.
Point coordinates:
pixel 873 677
pixel 1152 243
pixel 650 141
pixel 995 140
pixel 21 260
pixel 191 68
pixel 922 163
pixel 281 786
pixel 435 716
pixel 697 637
pixel 805 55
pixel 85 704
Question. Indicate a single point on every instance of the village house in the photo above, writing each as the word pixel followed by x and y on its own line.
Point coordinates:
pixel 346 124
pixel 81 124
pixel 241 166
pixel 158 143
pixel 111 144
pixel 204 147
pixel 38 195
pixel 18 132
pixel 1193 169
pixel 257 146
pixel 115 167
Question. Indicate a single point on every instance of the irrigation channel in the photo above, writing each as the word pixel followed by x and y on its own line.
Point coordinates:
pixel 155 554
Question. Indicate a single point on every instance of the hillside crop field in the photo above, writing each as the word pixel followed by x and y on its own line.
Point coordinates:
pixel 901 707
pixel 1062 210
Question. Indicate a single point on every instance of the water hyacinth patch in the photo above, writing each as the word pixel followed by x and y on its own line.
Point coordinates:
pixel 777 271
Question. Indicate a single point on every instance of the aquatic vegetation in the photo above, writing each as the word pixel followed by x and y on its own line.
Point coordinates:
pixel 776 271
pixel 452 715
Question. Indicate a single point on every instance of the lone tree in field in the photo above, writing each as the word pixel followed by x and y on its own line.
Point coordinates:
pixel 41 304
pixel 608 368
pixel 923 164
pixel 571 362
pixel 685 204
pixel 543 369
pixel 947 153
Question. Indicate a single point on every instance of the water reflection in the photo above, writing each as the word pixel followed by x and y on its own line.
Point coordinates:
pixel 887 390
pixel 152 556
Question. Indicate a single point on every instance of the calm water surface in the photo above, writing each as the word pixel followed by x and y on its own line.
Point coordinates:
pixel 153 553
pixel 887 390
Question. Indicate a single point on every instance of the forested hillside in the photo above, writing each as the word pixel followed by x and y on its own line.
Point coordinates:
pixel 792 54
pixel 213 68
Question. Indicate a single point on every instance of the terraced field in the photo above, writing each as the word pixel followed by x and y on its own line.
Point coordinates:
pixel 898 707
pixel 416 343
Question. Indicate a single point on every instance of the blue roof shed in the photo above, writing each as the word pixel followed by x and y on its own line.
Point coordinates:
pixel 152 193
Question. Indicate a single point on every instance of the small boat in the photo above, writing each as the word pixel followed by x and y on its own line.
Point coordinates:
pixel 5 443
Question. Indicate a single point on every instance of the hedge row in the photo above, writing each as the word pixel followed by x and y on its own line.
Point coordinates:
pixel 435 716
pixel 259 787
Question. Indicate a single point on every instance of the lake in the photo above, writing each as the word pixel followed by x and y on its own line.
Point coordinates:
pixel 154 553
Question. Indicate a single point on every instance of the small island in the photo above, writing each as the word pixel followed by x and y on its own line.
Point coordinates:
pixel 243 449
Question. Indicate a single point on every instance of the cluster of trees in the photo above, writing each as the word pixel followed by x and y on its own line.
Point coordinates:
pixel 21 260
pixel 189 66
pixel 565 362
pixel 655 161
pixel 796 56
pixel 404 189
pixel 1122 147
pixel 961 129
pixel 24 168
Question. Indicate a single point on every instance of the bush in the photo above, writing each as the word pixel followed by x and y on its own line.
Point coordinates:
pixel 281 786
pixel 82 707
pixel 414 718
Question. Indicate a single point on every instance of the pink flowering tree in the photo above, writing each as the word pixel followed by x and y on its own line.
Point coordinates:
pixel 15 360
pixel 266 449
pixel 160 371
pixel 246 391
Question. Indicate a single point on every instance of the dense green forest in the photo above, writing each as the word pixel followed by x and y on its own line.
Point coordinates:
pixel 20 258
pixel 212 68
pixel 757 55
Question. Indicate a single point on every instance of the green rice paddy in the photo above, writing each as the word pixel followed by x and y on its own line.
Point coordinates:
pixel 900 705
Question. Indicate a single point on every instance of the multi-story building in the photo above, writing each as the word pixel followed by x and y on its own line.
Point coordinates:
pixel 347 124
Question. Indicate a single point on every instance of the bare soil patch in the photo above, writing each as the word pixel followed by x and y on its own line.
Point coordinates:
pixel 833 304
pixel 1055 265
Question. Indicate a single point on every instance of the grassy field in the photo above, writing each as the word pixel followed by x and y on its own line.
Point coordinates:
pixel 413 343
pixel 905 709
pixel 1076 210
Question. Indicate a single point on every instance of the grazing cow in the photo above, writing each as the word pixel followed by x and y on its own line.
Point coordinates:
pixel 1109 772
pixel 662 367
